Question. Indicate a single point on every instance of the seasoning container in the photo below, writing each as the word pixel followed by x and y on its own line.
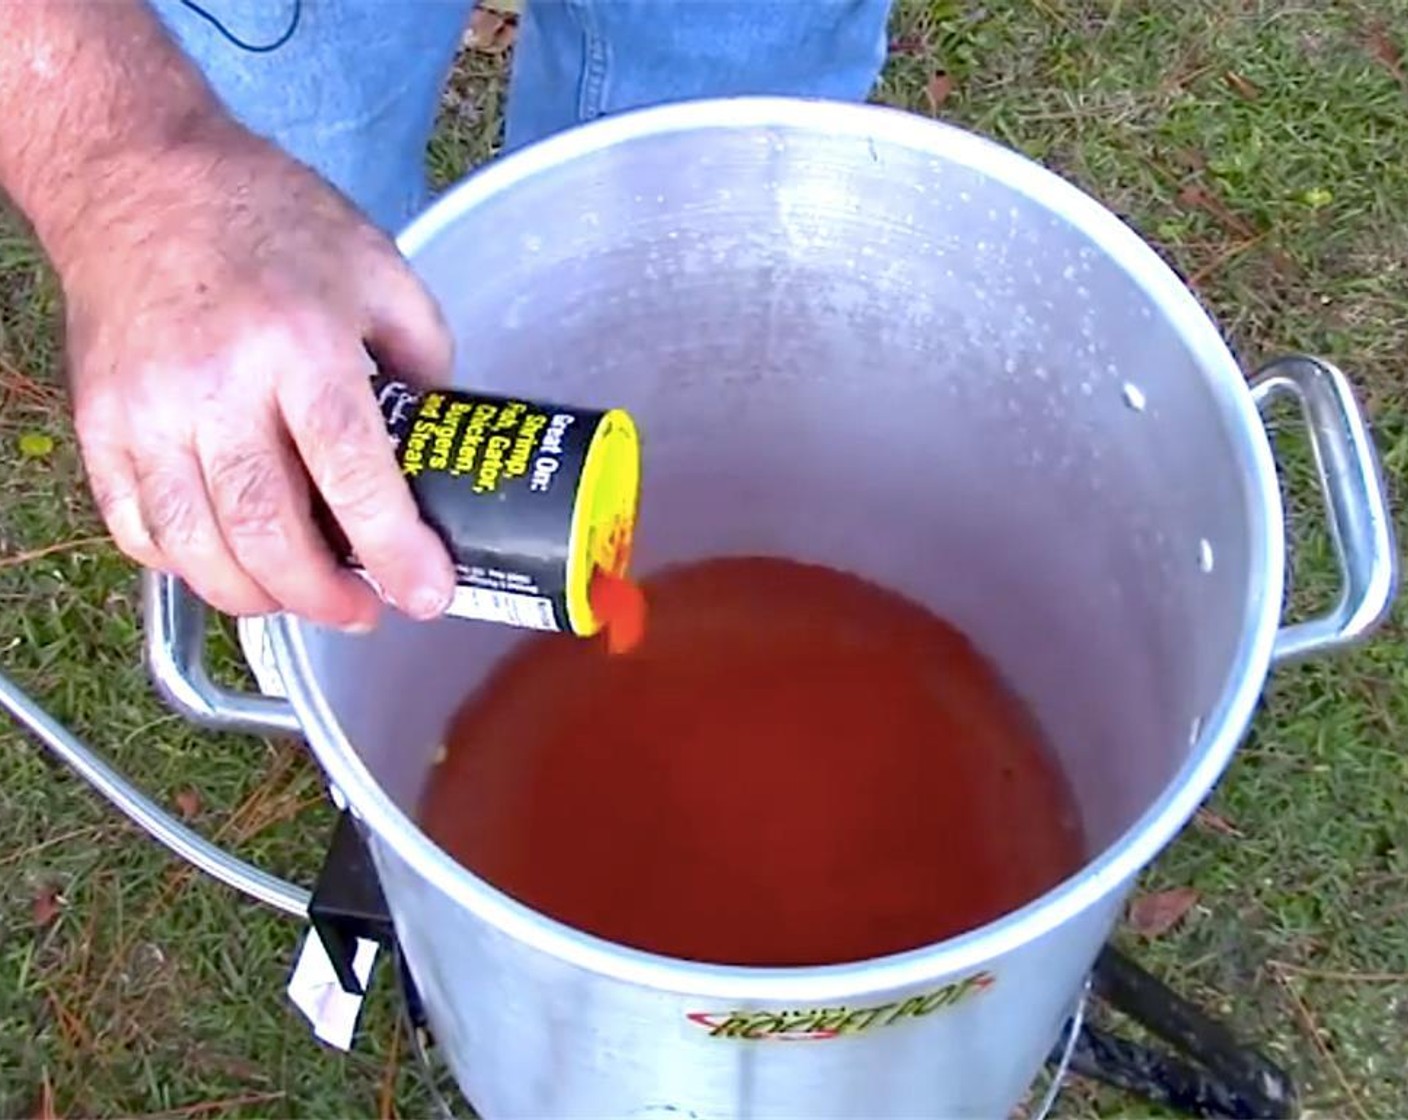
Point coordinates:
pixel 531 499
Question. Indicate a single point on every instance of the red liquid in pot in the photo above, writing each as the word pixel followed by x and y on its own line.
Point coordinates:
pixel 794 767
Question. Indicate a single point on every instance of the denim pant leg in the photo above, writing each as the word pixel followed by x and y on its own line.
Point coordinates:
pixel 352 92
pixel 580 59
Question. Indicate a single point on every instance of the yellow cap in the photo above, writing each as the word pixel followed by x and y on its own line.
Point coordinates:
pixel 603 513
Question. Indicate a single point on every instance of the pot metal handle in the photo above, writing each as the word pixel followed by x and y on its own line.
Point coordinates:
pixel 146 813
pixel 174 629
pixel 1361 524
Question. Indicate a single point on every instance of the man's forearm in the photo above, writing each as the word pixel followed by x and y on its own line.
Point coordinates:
pixel 89 90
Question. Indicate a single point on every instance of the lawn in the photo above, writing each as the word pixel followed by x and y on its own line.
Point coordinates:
pixel 1261 147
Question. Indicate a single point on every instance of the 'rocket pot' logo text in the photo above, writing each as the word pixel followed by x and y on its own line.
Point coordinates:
pixel 818 1024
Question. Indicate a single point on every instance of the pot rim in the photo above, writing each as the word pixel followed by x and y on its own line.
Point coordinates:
pixel 1114 867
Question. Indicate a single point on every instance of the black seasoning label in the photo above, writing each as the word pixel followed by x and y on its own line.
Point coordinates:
pixel 498 479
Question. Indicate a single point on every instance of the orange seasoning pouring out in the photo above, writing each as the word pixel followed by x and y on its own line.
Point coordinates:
pixel 619 603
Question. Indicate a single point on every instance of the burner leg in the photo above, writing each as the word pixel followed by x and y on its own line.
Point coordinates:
pixel 422 1043
pixel 1219 1078
pixel 1063 1055
pixel 347 906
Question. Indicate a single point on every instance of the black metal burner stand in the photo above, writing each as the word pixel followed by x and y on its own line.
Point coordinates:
pixel 1209 1072
pixel 1206 1072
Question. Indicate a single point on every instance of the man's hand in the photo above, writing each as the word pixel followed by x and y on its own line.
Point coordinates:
pixel 221 304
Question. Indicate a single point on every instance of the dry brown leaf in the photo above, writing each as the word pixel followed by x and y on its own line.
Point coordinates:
pixel 490 32
pixel 188 803
pixel 1384 50
pixel 1241 86
pixel 1154 914
pixel 1216 822
pixel 937 90
pixel 46 906
pixel 1193 196
pixel 1189 159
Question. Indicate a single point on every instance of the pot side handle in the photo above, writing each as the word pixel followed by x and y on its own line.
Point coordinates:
pixel 173 624
pixel 1351 480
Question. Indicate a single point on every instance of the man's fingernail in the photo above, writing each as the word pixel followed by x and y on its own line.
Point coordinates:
pixel 427 602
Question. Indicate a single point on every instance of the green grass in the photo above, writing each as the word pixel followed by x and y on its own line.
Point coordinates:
pixel 1261 147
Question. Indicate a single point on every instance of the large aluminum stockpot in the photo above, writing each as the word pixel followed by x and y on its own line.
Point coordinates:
pixel 859 337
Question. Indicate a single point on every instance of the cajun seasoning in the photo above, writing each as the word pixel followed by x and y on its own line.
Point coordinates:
pixel 531 499
pixel 620 605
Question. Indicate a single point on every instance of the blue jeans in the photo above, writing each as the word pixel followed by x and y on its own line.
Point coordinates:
pixel 353 92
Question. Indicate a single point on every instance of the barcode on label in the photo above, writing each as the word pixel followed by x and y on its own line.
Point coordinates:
pixel 531 612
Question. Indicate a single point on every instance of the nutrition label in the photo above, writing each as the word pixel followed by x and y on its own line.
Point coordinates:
pixel 531 612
